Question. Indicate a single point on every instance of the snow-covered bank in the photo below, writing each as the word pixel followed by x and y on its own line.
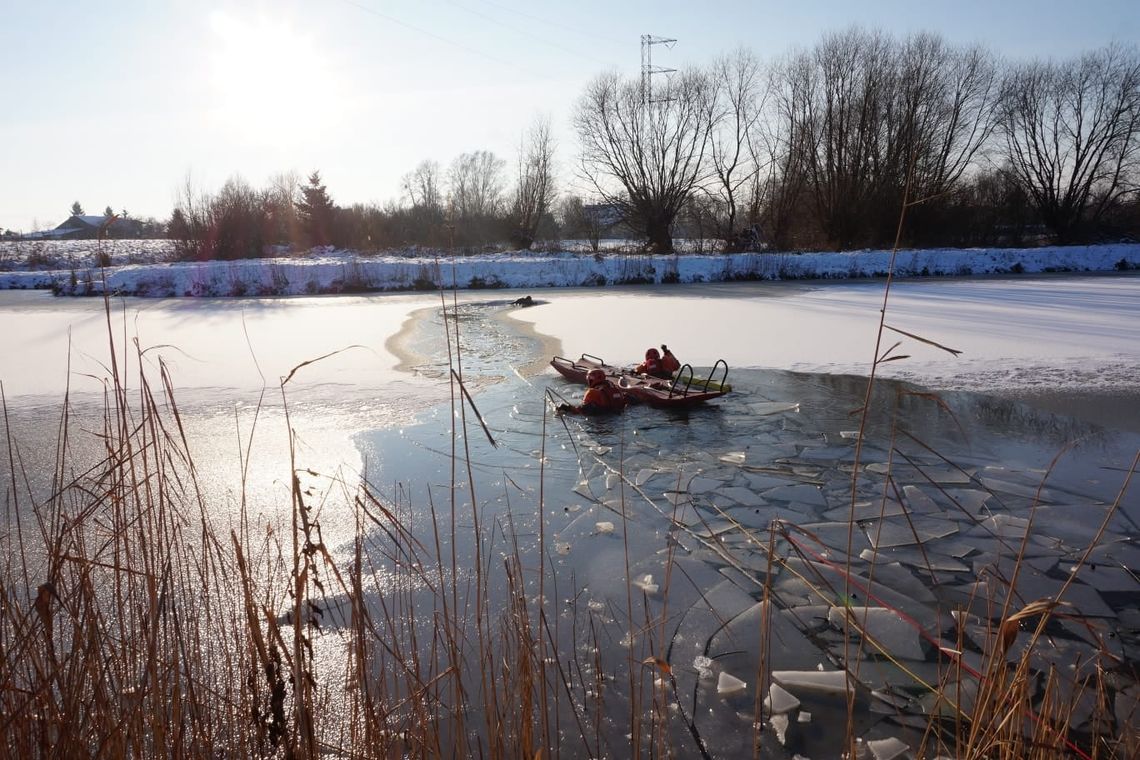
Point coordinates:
pixel 350 272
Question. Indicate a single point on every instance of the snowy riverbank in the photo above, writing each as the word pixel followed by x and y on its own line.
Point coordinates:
pixel 138 268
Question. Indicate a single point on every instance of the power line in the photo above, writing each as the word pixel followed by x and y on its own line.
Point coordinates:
pixel 525 32
pixel 592 34
pixel 434 36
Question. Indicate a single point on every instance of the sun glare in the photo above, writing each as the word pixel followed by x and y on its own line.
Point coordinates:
pixel 274 86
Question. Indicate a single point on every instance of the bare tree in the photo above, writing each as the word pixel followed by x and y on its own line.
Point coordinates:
pixel 280 203
pixel 534 191
pixel 871 114
pixel 1071 132
pixel 476 185
pixel 841 89
pixel 778 195
pixel 422 186
pixel 422 220
pixel 189 222
pixel 938 109
pixel 736 153
pixel 645 158
pixel 949 96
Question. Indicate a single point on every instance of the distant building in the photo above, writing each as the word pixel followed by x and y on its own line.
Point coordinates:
pixel 89 227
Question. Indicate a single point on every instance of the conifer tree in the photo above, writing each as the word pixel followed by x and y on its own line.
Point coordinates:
pixel 76 209
pixel 315 210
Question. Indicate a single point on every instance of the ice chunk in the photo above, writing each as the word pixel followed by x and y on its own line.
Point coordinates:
pixel 829 681
pixel 1006 526
pixel 703 666
pixel 646 584
pixel 887 749
pixel 733 457
pixel 728 685
pixel 780 727
pixel 774 407
pixel 804 494
pixel 643 476
pixel 894 532
pixel 562 548
pixel 896 636
pixel 704 485
pixel 919 501
pixel 741 495
pixel 604 527
pixel 805 716
pixel 780 700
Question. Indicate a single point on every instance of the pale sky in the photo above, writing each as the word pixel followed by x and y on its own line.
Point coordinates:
pixel 118 103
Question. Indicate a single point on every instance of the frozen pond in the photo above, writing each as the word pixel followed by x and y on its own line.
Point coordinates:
pixel 677 537
pixel 674 535
pixel 668 531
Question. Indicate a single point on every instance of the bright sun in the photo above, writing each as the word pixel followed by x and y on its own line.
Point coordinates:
pixel 273 85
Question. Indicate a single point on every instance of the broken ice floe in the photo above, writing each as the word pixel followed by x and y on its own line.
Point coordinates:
pixel 645 583
pixel 728 685
pixel 780 700
pixel 887 749
pixel 780 728
pixel 825 682
pixel 885 629
pixel 773 407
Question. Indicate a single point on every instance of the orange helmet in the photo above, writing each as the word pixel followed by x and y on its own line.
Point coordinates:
pixel 595 377
pixel 653 353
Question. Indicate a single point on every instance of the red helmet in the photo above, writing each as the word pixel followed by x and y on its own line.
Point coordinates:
pixel 596 377
pixel 653 353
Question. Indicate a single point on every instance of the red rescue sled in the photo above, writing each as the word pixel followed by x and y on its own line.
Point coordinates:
pixel 683 390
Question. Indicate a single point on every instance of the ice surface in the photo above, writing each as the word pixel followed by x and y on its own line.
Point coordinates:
pixel 884 628
pixel 899 531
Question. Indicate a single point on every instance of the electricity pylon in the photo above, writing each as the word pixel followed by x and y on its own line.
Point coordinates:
pixel 647 67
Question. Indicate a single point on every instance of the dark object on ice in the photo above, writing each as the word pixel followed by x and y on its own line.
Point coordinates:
pixel 524 301
pixel 601 396
pixel 685 390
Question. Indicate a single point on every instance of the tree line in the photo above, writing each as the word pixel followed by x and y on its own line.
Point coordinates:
pixel 828 147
